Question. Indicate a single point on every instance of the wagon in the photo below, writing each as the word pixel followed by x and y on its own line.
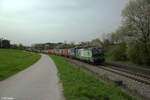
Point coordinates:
pixel 51 51
pixel 65 52
pixel 57 52
pixel 71 52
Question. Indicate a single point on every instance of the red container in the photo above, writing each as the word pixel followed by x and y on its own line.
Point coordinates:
pixel 65 52
pixel 50 51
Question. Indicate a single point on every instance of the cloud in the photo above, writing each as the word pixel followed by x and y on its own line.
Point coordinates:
pixel 58 20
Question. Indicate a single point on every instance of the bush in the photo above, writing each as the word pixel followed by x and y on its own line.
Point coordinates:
pixel 119 52
pixel 137 54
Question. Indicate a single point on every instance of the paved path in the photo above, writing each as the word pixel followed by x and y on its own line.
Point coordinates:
pixel 38 82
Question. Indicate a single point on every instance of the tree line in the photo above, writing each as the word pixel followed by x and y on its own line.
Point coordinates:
pixel 131 41
pixel 5 44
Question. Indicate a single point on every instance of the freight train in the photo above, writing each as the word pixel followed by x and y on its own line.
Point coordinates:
pixel 91 55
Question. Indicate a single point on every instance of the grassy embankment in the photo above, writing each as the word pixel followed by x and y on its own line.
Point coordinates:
pixel 13 61
pixel 109 58
pixel 79 85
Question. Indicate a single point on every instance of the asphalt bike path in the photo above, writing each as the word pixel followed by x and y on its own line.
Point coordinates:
pixel 38 82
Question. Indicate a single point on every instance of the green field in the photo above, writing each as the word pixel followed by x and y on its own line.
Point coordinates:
pixel 13 61
pixel 79 85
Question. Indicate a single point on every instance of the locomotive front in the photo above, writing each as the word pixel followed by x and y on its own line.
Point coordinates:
pixel 98 55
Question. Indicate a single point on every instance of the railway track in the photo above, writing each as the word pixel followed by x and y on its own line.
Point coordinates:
pixel 131 73
pixel 120 70
pixel 128 73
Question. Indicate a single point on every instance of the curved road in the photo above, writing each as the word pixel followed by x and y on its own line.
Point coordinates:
pixel 38 82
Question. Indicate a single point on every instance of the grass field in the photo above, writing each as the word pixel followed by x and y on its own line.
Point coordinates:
pixel 13 61
pixel 79 85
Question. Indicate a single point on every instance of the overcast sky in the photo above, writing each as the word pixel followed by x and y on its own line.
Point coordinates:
pixel 39 21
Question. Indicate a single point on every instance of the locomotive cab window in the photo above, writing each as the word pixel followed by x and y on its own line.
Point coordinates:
pixel 96 51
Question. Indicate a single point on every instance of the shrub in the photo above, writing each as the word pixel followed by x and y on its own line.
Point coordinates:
pixel 137 54
pixel 119 52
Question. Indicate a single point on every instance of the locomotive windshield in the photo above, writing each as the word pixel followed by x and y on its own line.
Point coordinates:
pixel 97 51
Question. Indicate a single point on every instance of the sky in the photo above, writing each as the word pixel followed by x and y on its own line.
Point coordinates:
pixel 40 21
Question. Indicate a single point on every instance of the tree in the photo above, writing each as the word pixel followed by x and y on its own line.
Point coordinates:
pixel 118 53
pixel 4 43
pixel 96 42
pixel 39 46
pixel 14 46
pixel 136 19
pixel 21 47
pixel 136 26
pixel 118 36
pixel 71 44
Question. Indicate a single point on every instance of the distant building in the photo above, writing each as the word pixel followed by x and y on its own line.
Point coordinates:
pixel 4 43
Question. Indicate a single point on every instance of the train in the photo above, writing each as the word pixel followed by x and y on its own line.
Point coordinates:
pixel 92 55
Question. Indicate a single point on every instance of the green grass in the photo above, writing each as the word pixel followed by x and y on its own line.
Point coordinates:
pixel 79 85
pixel 13 61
